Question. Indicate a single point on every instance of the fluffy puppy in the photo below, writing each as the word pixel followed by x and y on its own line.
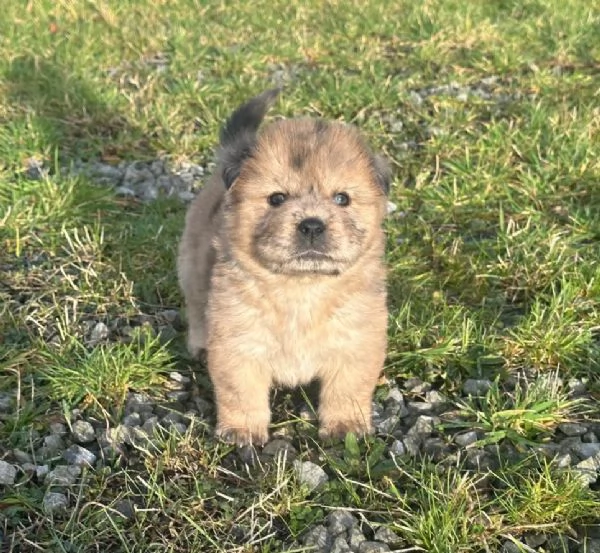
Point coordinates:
pixel 281 265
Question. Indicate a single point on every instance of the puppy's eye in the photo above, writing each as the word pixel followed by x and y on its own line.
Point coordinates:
pixel 277 199
pixel 341 199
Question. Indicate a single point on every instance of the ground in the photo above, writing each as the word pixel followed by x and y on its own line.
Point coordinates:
pixel 487 415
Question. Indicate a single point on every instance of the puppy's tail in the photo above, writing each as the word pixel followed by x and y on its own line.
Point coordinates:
pixel 247 118
pixel 238 135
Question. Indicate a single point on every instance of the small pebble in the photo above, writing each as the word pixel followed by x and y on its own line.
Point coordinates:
pixel 340 521
pixel 279 447
pixel 466 438
pixel 6 402
pixel 318 538
pixel 8 473
pixel 473 387
pixel 572 428
pixel 310 474
pixel 83 432
pixel 133 419
pixel 384 534
pixel 55 501
pixel 340 545
pixel 397 448
pixel 77 455
pixel 63 475
pixel 99 333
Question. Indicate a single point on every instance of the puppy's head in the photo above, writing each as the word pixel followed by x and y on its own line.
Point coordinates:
pixel 308 197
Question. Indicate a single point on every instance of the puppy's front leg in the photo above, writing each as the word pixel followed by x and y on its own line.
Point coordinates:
pixel 242 397
pixel 345 400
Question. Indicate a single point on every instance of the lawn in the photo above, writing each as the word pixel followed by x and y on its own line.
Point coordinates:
pixel 488 428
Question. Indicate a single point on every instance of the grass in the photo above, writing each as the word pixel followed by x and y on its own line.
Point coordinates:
pixel 493 255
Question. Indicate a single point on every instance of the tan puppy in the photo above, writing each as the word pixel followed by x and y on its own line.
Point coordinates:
pixel 281 264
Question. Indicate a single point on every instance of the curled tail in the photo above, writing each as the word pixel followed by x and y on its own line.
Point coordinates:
pixel 238 135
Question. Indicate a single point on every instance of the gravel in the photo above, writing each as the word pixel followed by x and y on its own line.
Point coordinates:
pixel 55 501
pixel 310 474
pixel 8 473
pixel 83 432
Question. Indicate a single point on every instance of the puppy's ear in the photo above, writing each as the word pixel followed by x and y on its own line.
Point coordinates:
pixel 238 135
pixel 382 172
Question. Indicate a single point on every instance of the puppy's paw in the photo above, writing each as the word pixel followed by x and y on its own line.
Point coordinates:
pixel 337 429
pixel 242 436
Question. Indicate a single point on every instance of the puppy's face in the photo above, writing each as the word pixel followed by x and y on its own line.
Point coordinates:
pixel 309 198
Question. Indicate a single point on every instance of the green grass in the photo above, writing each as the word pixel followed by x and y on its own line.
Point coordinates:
pixel 493 253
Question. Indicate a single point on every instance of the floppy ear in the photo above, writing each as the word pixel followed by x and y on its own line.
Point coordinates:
pixel 238 135
pixel 382 172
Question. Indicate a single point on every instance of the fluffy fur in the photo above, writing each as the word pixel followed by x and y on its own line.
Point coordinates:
pixel 281 265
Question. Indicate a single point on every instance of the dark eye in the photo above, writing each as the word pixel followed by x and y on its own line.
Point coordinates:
pixel 341 199
pixel 277 199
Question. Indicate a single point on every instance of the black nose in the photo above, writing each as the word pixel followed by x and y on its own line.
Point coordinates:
pixel 311 228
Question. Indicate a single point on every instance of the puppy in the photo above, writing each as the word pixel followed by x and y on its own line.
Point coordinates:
pixel 281 266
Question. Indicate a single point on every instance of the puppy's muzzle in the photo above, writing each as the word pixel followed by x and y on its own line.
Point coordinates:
pixel 311 230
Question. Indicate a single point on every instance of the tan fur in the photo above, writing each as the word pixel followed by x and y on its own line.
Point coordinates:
pixel 266 313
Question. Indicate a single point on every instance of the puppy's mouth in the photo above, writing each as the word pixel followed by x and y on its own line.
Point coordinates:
pixel 312 255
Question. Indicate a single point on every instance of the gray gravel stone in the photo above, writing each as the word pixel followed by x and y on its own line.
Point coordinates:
pixel 423 427
pixel 572 428
pixel 474 387
pixel 310 474
pixel 388 425
pixel 133 419
pixel 533 539
pixel 177 428
pixel 419 407
pixel 398 448
pixel 281 447
pixel 58 428
pixel 150 425
pixel 6 402
pixel 584 450
pixel 125 191
pixel 55 501
pixel 417 386
pixel 466 438
pixel 564 460
pixel 435 448
pixel 21 456
pixel 175 376
pixel 53 445
pixel 8 473
pixel 63 475
pixel 339 522
pixel 99 333
pixel 478 459
pixel 180 396
pixel 511 547
pixel 83 432
pixel 340 545
pixel 318 538
pixel 590 438
pixel 412 444
pixel 373 547
pixel 577 386
pixel 385 535
pixel 106 171
pixel 588 469
pixel 77 455
pixel 355 538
